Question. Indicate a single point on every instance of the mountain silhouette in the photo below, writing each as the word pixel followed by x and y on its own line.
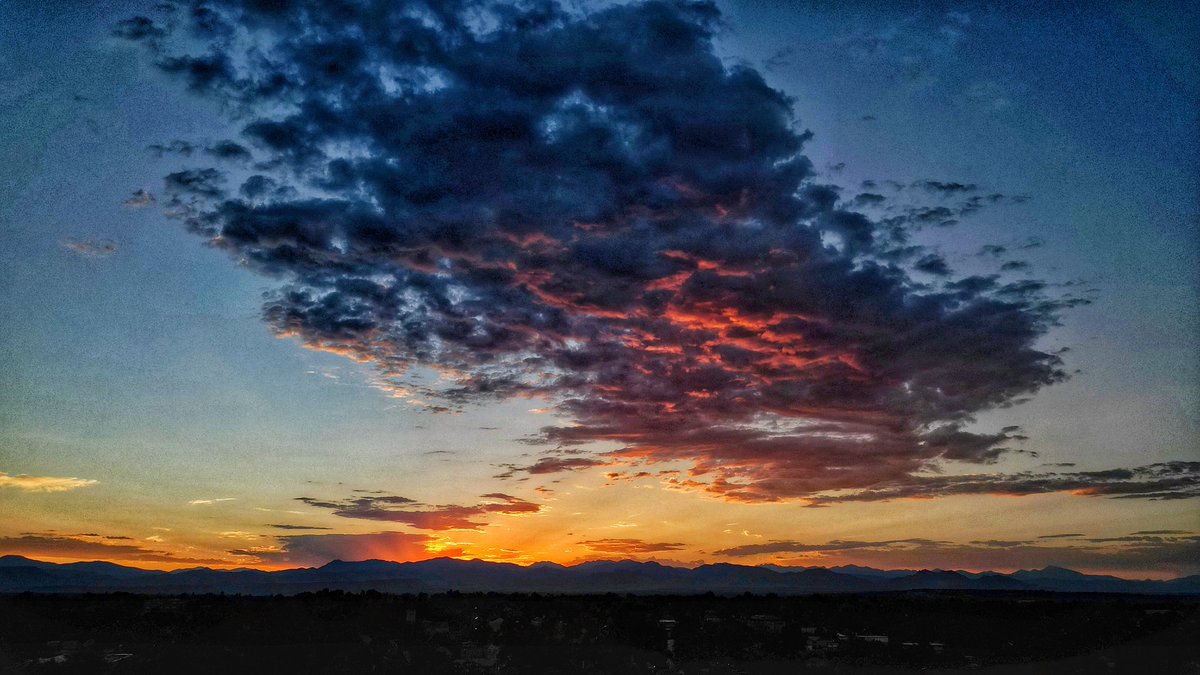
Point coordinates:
pixel 19 574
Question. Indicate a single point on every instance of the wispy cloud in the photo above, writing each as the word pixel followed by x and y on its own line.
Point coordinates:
pixel 628 546
pixel 140 199
pixel 396 509
pixel 1175 554
pixel 790 546
pixel 29 483
pixel 1163 481
pixel 90 248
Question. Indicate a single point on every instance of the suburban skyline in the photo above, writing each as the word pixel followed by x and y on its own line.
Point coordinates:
pixel 905 287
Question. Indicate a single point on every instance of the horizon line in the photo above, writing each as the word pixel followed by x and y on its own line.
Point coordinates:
pixel 767 566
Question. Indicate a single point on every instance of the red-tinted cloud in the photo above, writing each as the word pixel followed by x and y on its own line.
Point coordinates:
pixel 596 210
pixel 318 549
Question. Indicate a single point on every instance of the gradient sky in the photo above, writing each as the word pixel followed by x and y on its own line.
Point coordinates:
pixel 904 285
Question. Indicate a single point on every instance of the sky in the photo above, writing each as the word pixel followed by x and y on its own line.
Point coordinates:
pixel 909 285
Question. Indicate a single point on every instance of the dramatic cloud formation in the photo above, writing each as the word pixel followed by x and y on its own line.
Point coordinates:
pixel 393 509
pixel 594 209
pixel 318 549
pixel 29 483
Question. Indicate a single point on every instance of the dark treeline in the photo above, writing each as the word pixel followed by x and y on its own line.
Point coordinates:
pixel 334 631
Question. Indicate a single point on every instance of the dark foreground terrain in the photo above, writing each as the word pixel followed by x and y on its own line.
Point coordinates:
pixel 340 632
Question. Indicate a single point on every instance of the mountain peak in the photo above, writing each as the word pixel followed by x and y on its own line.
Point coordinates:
pixel 1055 569
pixel 1052 572
pixel 18 574
pixel 358 564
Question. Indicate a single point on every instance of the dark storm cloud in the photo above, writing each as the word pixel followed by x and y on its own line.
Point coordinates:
pixel 299 527
pixel 898 224
pixel 592 208
pixel 259 187
pixel 228 150
pixel 176 147
pixel 394 509
pixel 932 264
pixel 946 188
pixel 195 183
pixel 868 199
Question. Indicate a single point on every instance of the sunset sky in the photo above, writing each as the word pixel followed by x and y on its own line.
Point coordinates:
pixel 901 285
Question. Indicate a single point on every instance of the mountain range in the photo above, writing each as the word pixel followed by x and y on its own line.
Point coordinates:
pixel 20 574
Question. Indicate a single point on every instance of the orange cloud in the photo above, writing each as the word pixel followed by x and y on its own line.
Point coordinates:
pixel 628 546
pixel 318 549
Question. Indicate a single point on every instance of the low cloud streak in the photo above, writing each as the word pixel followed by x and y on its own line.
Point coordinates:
pixel 29 483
